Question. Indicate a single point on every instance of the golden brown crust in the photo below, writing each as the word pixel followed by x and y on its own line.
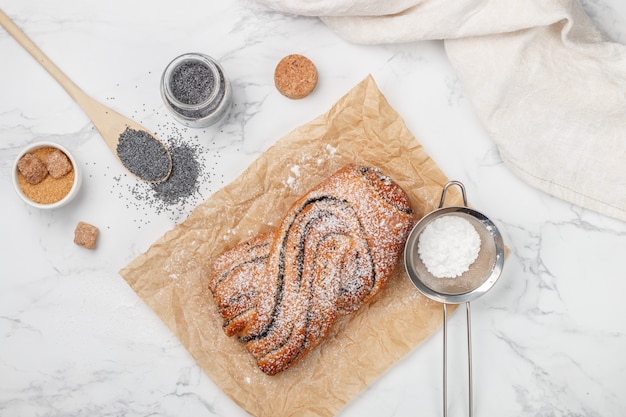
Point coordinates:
pixel 334 250
pixel 295 76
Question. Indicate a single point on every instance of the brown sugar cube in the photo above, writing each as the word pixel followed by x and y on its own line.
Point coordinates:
pixel 85 235
pixel 295 76
pixel 58 164
pixel 31 167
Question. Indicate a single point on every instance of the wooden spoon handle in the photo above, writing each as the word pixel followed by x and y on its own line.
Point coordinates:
pixel 72 89
pixel 109 123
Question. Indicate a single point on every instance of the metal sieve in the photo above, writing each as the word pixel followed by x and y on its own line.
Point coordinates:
pixel 477 280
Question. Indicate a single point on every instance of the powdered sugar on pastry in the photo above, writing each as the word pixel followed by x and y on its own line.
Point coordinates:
pixel 335 248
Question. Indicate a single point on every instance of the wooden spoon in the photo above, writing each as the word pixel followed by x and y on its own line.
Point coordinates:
pixel 109 123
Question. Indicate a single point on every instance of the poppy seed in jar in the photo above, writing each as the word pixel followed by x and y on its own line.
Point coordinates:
pixel 196 91
pixel 192 82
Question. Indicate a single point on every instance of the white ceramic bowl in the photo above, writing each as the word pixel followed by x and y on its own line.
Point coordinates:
pixel 75 186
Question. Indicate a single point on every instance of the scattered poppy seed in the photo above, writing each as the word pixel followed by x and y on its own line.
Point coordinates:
pixel 180 193
pixel 183 180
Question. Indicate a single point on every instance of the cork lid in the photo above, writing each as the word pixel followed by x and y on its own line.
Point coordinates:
pixel 295 76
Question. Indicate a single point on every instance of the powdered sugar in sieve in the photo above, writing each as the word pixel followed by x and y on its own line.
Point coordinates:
pixel 448 246
pixel 454 255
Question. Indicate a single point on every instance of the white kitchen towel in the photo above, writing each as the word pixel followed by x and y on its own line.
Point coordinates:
pixel 547 85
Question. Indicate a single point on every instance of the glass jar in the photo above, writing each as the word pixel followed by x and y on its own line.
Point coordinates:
pixel 196 91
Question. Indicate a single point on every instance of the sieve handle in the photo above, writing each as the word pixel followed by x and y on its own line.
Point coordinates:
pixel 445 190
pixel 469 359
pixel 445 360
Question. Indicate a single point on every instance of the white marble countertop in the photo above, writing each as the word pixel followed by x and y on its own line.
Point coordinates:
pixel 549 339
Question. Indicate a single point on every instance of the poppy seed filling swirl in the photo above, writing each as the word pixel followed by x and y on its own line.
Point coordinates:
pixel 337 246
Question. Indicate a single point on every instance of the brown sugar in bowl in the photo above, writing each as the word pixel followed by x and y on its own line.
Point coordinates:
pixel 53 191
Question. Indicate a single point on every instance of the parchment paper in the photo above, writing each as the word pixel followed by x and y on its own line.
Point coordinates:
pixel 171 277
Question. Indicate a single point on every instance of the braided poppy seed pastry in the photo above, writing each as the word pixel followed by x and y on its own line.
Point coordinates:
pixel 335 249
